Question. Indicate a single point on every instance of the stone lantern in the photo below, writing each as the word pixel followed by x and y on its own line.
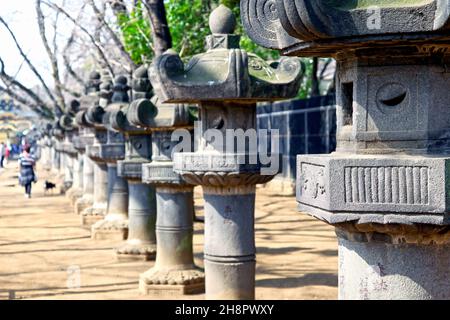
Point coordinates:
pixel 174 270
pixel 227 83
pixel 85 139
pixel 141 242
pixel 58 156
pixel 114 226
pixel 93 116
pixel 385 189
pixel 74 166
pixel 46 145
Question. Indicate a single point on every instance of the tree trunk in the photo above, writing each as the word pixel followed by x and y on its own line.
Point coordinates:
pixel 162 40
pixel 315 89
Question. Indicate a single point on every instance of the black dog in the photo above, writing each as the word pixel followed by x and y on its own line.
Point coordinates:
pixel 49 186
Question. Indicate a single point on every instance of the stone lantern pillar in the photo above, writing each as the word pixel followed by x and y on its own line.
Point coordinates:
pixel 93 117
pixel 53 154
pixel 67 122
pixel 46 145
pixel 77 189
pixel 141 242
pixel 174 270
pixel 385 189
pixel 73 150
pixel 85 139
pixel 114 226
pixel 227 82
pixel 58 159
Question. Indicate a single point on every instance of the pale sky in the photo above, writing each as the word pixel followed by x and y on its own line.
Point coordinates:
pixel 21 17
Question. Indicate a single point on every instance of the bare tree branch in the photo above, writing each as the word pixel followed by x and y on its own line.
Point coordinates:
pixel 51 55
pixel 68 63
pixel 40 110
pixel 101 19
pixel 96 44
pixel 12 83
pixel 28 62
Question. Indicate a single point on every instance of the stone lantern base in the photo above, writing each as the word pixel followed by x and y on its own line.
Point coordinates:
pixel 82 204
pixel 132 251
pixel 91 215
pixel 167 282
pixel 113 230
pixel 74 195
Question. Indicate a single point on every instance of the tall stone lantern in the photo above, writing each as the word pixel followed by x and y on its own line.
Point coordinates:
pixel 85 139
pixel 141 242
pixel 386 187
pixel 58 158
pixel 74 175
pixel 227 83
pixel 114 226
pixel 93 116
pixel 46 145
pixel 174 271
pixel 55 134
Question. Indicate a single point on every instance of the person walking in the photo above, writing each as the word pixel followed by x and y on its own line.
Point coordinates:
pixel 2 154
pixel 27 175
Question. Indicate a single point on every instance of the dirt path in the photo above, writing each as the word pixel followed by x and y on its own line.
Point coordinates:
pixel 41 240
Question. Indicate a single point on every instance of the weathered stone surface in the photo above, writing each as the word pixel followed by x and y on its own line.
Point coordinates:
pixel 302 27
pixel 226 82
pixel 230 74
pixel 92 206
pixel 385 189
pixel 362 187
pixel 174 198
pixel 114 226
pixel 141 241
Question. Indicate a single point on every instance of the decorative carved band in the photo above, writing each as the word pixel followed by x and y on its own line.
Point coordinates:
pixel 112 152
pixel 129 169
pixel 224 179
pixel 395 185
pixel 161 173
pixel 423 234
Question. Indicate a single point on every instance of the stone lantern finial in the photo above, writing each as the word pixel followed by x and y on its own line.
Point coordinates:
pixel 222 21
pixel 120 90
pixel 94 81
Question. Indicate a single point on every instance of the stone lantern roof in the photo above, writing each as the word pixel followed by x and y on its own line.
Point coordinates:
pixel 224 72
pixel 323 27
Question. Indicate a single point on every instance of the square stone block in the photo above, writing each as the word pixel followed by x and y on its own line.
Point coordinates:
pixel 344 183
pixel 88 220
pixel 106 234
pixel 135 257
pixel 166 291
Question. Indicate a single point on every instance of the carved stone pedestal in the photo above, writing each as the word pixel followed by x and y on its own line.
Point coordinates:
pixel 87 199
pixel 56 162
pixel 141 242
pixel 174 271
pixel 114 226
pixel 97 212
pixel 76 192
